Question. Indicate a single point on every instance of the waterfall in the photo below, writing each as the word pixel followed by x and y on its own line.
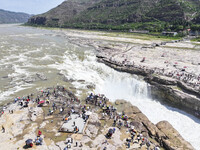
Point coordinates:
pixel 123 86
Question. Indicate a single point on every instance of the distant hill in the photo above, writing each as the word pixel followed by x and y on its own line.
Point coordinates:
pixel 152 15
pixel 62 13
pixel 13 17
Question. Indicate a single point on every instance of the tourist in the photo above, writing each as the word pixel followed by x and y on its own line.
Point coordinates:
pixel 138 138
pixel 29 143
pixel 143 59
pixel 128 144
pixel 66 148
pixel 38 141
pixel 3 129
pixel 47 101
pixel 148 144
pixel 61 110
pixel 16 99
pixel 80 144
pixel 54 106
pixel 109 134
pixel 39 133
pixel 69 145
pixel 72 140
pixel 113 130
pixel 105 142
pixel 114 122
pixel 66 119
pixel 50 111
pixel 156 148
pixel 76 130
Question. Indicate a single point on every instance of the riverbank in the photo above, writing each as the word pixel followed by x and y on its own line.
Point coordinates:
pixel 171 67
pixel 29 114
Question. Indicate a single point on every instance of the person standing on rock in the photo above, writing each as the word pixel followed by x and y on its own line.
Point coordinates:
pixel 128 144
pixel 80 144
pixel 74 123
pixel 39 133
pixel 61 110
pixel 143 59
pixel 3 129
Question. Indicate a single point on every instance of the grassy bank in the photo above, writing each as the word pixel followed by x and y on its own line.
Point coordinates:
pixel 197 39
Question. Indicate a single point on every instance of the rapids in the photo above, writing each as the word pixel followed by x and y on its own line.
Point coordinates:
pixel 25 51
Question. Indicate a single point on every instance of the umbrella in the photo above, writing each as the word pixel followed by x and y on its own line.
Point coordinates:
pixel 41 102
pixel 184 67
pixel 176 63
pixel 29 141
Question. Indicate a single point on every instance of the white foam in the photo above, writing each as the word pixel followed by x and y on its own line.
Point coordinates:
pixel 47 57
pixel 6 95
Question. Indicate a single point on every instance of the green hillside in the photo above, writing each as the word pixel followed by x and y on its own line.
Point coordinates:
pixel 151 15
pixel 62 13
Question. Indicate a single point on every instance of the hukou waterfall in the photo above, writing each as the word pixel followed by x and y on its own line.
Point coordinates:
pixel 26 52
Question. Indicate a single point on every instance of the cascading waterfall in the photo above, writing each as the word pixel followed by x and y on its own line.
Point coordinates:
pixel 123 86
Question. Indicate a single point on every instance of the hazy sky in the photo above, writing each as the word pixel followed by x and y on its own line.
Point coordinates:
pixel 29 6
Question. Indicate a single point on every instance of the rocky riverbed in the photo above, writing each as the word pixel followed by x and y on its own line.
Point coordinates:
pixel 23 118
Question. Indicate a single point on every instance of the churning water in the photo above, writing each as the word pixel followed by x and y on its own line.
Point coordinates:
pixel 25 51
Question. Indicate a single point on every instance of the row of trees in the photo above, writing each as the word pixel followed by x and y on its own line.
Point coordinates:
pixel 150 26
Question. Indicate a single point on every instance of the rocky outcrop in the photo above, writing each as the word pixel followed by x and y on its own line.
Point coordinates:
pixel 163 132
pixel 93 125
pixel 91 131
pixel 121 68
pixel 38 20
pixel 41 76
pixel 94 120
pixel 161 80
pixel 172 139
pixel 177 98
pixel 188 89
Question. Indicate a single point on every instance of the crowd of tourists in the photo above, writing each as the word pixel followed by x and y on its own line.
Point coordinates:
pixel 120 120
pixel 67 105
pixel 179 73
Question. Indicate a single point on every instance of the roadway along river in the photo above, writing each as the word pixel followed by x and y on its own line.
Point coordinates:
pixel 25 51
